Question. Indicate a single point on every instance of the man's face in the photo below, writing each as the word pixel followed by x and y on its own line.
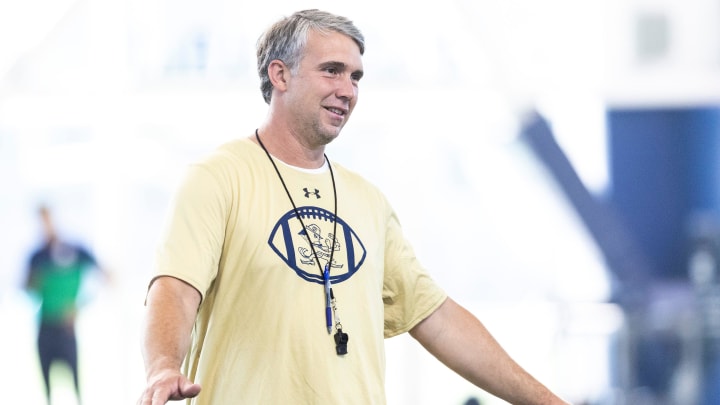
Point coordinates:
pixel 324 89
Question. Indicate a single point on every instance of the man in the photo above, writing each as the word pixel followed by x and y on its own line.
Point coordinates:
pixel 269 244
pixel 55 274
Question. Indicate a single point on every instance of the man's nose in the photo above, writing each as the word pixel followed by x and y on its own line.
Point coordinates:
pixel 346 88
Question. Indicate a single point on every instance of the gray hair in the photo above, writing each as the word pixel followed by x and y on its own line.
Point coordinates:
pixel 286 39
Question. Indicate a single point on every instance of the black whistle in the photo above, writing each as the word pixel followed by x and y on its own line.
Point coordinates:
pixel 341 340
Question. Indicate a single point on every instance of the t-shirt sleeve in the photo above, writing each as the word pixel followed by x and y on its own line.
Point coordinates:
pixel 409 293
pixel 192 240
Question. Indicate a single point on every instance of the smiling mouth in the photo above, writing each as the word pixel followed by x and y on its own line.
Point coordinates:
pixel 336 111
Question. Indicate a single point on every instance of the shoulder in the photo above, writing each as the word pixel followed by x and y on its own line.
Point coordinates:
pixel 233 152
pixel 358 184
pixel 39 255
pixel 227 172
pixel 84 252
pixel 341 171
pixel 228 161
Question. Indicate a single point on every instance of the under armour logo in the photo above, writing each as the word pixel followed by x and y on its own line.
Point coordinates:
pixel 316 193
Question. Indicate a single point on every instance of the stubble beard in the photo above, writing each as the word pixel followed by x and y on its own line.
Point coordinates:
pixel 323 134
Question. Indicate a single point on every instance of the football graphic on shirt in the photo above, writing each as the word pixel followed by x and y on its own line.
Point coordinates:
pixel 298 247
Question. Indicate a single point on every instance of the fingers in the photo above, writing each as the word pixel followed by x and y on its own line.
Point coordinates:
pixel 154 397
pixel 161 397
pixel 162 391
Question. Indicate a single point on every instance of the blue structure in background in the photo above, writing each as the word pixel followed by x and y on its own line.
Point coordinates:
pixel 665 168
pixel 663 211
pixel 631 270
pixel 665 186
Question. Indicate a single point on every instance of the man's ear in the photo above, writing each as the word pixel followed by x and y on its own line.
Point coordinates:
pixel 278 73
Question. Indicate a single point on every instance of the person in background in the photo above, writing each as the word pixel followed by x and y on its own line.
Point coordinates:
pixel 472 401
pixel 269 243
pixel 55 275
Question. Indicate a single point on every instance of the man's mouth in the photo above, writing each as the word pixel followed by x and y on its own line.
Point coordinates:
pixel 337 111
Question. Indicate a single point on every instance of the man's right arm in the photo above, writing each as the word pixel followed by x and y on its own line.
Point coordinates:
pixel 171 310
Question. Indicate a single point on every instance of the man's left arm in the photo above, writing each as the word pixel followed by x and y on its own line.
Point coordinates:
pixel 460 341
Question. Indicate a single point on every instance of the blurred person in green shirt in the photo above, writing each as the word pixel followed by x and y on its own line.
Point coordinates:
pixel 55 275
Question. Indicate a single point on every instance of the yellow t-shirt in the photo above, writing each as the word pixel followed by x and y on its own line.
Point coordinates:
pixel 260 335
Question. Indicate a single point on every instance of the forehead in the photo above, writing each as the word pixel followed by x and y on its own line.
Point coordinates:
pixel 333 46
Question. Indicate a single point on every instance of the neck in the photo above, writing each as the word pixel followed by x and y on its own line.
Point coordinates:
pixel 290 148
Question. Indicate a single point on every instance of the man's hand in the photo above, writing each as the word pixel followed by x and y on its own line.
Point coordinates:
pixel 168 385
pixel 171 308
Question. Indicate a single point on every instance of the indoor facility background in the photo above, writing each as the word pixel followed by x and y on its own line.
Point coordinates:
pixel 555 163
